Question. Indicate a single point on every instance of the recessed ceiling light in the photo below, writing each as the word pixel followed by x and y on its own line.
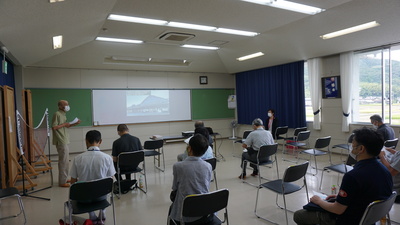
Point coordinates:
pixel 54 1
pixel 179 24
pixel 57 41
pixel 200 47
pixel 287 5
pixel 131 41
pixel 350 30
pixel 246 57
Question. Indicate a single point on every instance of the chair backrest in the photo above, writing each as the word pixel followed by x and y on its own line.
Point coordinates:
pixel 213 162
pixel 246 133
pixel 391 143
pixel 377 209
pixel 298 130
pixel 303 135
pixel 323 142
pixel 267 150
pixel 350 161
pixel 210 130
pixel 90 190
pixel 153 144
pixel 295 172
pixel 281 130
pixel 350 139
pixel 131 159
pixel 205 204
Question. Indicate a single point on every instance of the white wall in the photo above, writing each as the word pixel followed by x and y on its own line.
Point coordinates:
pixel 108 79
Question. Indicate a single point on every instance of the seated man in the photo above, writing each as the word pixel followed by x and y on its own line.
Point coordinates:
pixel 207 155
pixel 92 165
pixel 386 131
pixel 257 138
pixel 191 176
pixel 391 159
pixel 126 143
pixel 367 182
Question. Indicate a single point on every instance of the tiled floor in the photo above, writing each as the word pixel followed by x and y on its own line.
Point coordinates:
pixel 151 208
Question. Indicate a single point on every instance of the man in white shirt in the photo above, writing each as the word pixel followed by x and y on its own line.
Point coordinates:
pixel 92 165
pixel 257 138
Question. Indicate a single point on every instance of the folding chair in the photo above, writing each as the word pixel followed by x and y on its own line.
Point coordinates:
pixel 301 141
pixel 155 148
pixel 378 209
pixel 320 144
pixel 285 186
pixel 391 143
pixel 339 168
pixel 265 151
pixel 9 193
pixel 84 197
pixel 281 131
pixel 245 134
pixel 127 163
pixel 198 205
pixel 296 133
pixel 213 162
pixel 345 146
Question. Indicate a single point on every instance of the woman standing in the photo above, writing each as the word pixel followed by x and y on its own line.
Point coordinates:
pixel 272 122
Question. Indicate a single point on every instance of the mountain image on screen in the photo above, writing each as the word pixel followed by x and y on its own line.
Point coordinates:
pixel 151 105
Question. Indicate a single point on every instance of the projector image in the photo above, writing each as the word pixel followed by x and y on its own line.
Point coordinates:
pixel 187 133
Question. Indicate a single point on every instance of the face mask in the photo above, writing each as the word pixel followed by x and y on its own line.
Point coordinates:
pixel 374 126
pixel 269 114
pixel 67 108
pixel 354 156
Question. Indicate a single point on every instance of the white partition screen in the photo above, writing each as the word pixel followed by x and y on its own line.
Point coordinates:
pixel 140 106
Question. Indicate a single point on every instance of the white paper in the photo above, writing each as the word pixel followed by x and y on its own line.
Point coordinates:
pixel 321 195
pixel 74 121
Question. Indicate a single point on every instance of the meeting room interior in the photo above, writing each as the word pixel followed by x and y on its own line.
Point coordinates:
pixel 159 66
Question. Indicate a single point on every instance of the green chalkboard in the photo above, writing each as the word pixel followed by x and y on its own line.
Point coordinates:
pixel 211 104
pixel 80 101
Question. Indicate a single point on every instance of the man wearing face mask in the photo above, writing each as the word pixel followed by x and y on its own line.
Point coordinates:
pixel 386 131
pixel 61 140
pixel 367 182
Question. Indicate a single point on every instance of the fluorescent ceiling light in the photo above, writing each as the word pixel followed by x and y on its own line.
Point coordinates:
pixel 57 41
pixel 237 32
pixel 200 47
pixel 297 7
pixel 246 57
pixel 191 26
pixel 179 24
pixel 350 30
pixel 54 1
pixel 132 19
pixel 287 5
pixel 119 40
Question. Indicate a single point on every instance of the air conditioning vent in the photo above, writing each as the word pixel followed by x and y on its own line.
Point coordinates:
pixel 174 36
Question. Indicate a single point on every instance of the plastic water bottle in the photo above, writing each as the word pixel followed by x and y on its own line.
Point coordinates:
pixel 333 190
pixel 383 220
pixel 141 181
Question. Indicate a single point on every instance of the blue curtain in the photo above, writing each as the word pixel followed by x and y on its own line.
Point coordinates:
pixel 279 87
pixel 7 79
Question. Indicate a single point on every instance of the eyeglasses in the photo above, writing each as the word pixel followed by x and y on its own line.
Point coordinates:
pixel 351 147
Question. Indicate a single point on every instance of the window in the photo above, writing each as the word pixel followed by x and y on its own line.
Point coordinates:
pixel 309 111
pixel 377 85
